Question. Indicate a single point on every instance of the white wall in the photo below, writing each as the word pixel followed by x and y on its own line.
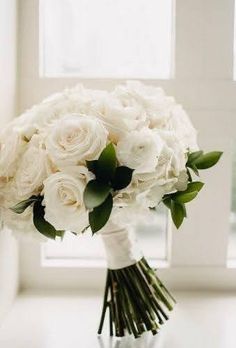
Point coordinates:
pixel 8 101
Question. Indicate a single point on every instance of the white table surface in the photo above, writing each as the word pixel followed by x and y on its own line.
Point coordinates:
pixel 66 320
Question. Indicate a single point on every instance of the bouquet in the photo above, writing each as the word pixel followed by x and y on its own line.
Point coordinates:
pixel 88 159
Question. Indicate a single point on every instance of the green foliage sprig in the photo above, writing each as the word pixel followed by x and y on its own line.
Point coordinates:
pixel 43 226
pixel 109 177
pixel 98 194
pixel 176 201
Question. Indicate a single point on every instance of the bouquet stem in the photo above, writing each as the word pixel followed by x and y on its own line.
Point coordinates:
pixel 136 299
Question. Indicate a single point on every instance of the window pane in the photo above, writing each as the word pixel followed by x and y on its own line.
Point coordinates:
pixel 106 38
pixel 232 236
pixel 152 240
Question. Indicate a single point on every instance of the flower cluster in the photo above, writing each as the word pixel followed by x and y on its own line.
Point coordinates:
pixel 70 159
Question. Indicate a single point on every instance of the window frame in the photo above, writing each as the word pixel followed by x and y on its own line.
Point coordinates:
pixel 203 83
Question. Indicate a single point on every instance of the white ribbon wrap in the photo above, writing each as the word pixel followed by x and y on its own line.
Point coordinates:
pixel 121 246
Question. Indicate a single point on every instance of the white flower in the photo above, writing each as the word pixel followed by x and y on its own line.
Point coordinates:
pixel 74 139
pixel 182 182
pixel 63 199
pixel 148 188
pixel 181 125
pixel 12 145
pixel 162 112
pixel 139 150
pixel 47 147
pixel 168 172
pixel 33 169
pixel 172 160
pixel 152 100
pixel 151 197
pixel 118 117
pixel 21 225
pixel 77 100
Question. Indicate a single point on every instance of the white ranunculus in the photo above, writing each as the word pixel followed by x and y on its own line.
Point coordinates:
pixel 63 199
pixel 173 158
pixel 180 124
pixel 118 117
pixel 33 169
pixel 12 145
pixel 74 139
pixel 139 150
pixel 182 183
pixel 151 197
pixel 148 188
pixel 152 100
pixel 162 112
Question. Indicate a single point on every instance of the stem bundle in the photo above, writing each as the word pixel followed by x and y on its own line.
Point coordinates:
pixel 136 300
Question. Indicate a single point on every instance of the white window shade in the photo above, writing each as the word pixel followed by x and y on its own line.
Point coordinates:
pixel 106 38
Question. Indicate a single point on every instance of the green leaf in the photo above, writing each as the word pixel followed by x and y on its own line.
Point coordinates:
pixel 193 156
pixel 184 210
pixel 92 166
pixel 189 194
pixel 122 177
pixel 177 213
pixel 189 175
pixel 42 225
pixel 106 164
pixel 100 215
pixel 95 193
pixel 194 169
pixel 167 201
pixel 185 197
pixel 207 160
pixel 20 207
pixel 195 186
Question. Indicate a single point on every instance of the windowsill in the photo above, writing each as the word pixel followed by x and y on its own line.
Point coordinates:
pixel 100 264
pixel 106 78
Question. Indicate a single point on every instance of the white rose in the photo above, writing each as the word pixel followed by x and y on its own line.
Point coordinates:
pixel 63 199
pixel 74 139
pixel 77 100
pixel 12 145
pixel 139 150
pixel 33 169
